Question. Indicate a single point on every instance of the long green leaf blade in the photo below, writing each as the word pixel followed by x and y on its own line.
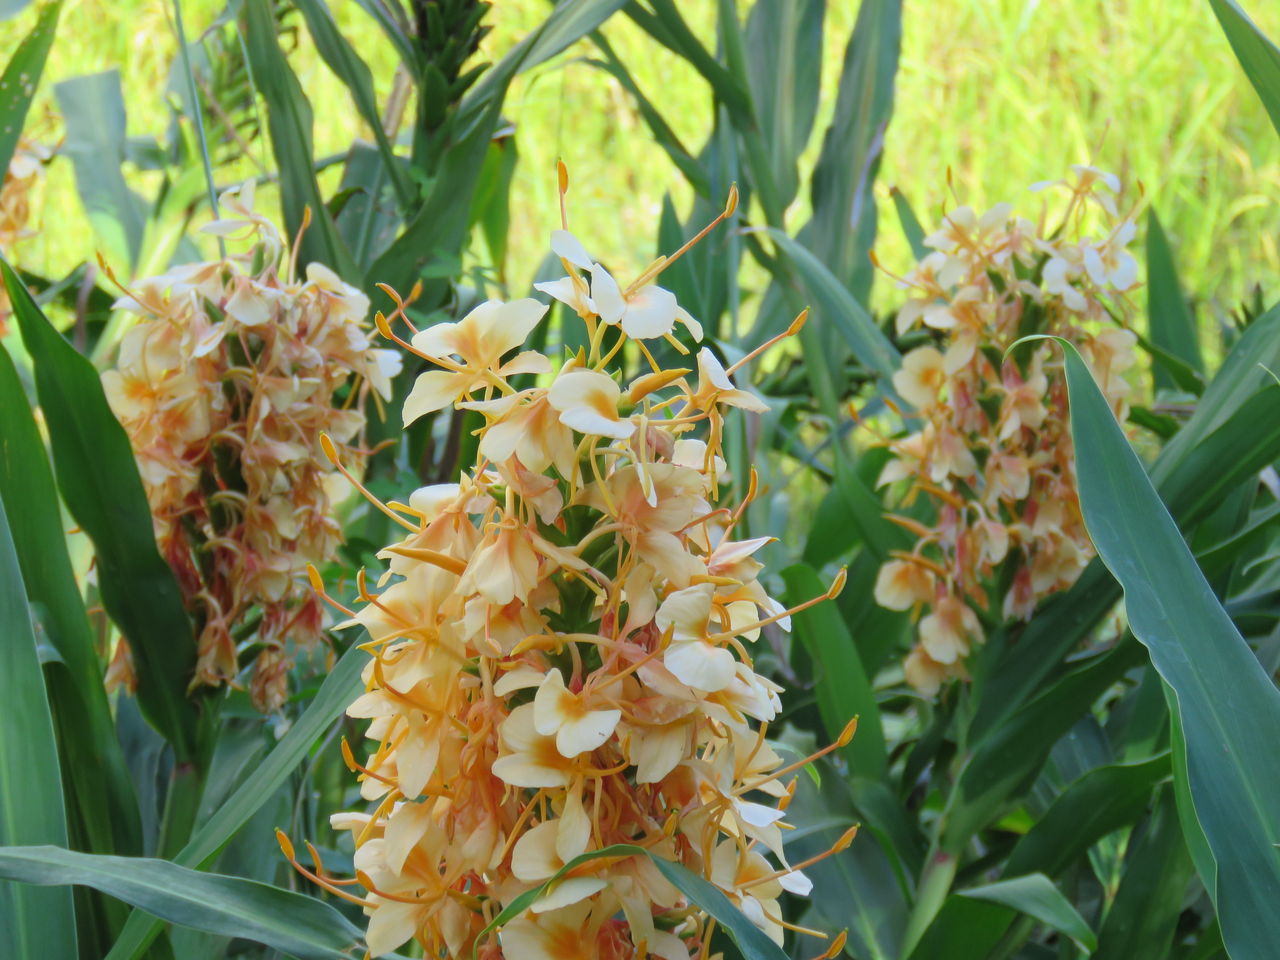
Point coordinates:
pixel 1037 897
pixel 293 923
pixel 1259 57
pixel 1169 319
pixel 100 485
pixel 33 923
pixel 21 77
pixel 290 124
pixel 1228 706
pixel 340 688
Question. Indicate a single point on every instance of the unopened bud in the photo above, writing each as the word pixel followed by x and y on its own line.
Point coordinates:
pixel 846 838
pixel 329 449
pixel 731 205
pixel 837 585
pixel 847 733
pixel 562 173
pixel 317 582
pixel 798 323
pixel 286 845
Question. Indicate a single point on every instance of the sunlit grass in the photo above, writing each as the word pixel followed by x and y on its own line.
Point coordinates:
pixel 1000 92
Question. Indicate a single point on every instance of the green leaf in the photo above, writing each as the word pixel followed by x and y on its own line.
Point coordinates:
pixel 1259 57
pixel 1143 918
pixel 102 808
pixel 669 28
pixel 36 923
pixel 1098 803
pixel 750 939
pixel 843 687
pixel 964 929
pixel 835 308
pixel 1008 758
pixel 784 48
pixel 1036 896
pixel 1169 319
pixel 100 485
pixel 1228 706
pixel 22 75
pixel 911 228
pixel 347 66
pixel 843 229
pixel 570 21
pixel 293 923
pixel 290 124
pixel 340 688
pixel 659 129
pixel 93 110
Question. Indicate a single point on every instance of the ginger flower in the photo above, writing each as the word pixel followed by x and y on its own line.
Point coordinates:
pixel 561 660
pixel 230 373
pixel 990 448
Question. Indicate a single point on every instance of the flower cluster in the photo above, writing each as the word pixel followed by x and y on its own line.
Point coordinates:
pixel 15 207
pixel 561 651
pixel 223 385
pixel 993 450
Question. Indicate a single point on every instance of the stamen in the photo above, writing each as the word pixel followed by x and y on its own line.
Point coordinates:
pixel 796 325
pixel 662 263
pixel 331 452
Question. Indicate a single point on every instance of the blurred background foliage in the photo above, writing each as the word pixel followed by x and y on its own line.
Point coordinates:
pixel 1001 93
pixel 1051 808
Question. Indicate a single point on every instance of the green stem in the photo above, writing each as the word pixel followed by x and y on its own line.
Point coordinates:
pixel 935 884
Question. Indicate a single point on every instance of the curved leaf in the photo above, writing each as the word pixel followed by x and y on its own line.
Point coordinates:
pixel 1037 897
pixel 100 486
pixel 1228 706
pixel 340 687
pixel 1259 57
pixel 293 923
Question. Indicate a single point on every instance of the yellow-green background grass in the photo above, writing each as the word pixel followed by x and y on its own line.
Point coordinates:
pixel 1000 92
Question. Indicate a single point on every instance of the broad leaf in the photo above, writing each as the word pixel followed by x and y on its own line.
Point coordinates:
pixel 93 110
pixel 1228 706
pixel 35 923
pixel 1037 897
pixel 100 485
pixel 843 687
pixel 292 923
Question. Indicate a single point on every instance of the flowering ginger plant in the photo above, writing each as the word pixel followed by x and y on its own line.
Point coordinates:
pixel 561 651
pixel 993 451
pixel 223 386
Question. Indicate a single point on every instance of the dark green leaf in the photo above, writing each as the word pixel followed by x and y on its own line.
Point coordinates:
pixel 843 687
pixel 293 923
pixel 101 487
pixel 1037 897
pixel 340 688
pixel 22 75
pixel 1100 802
pixel 347 66
pixel 35 923
pixel 911 228
pixel 1143 918
pixel 290 123
pixel 1172 327
pixel 1228 706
